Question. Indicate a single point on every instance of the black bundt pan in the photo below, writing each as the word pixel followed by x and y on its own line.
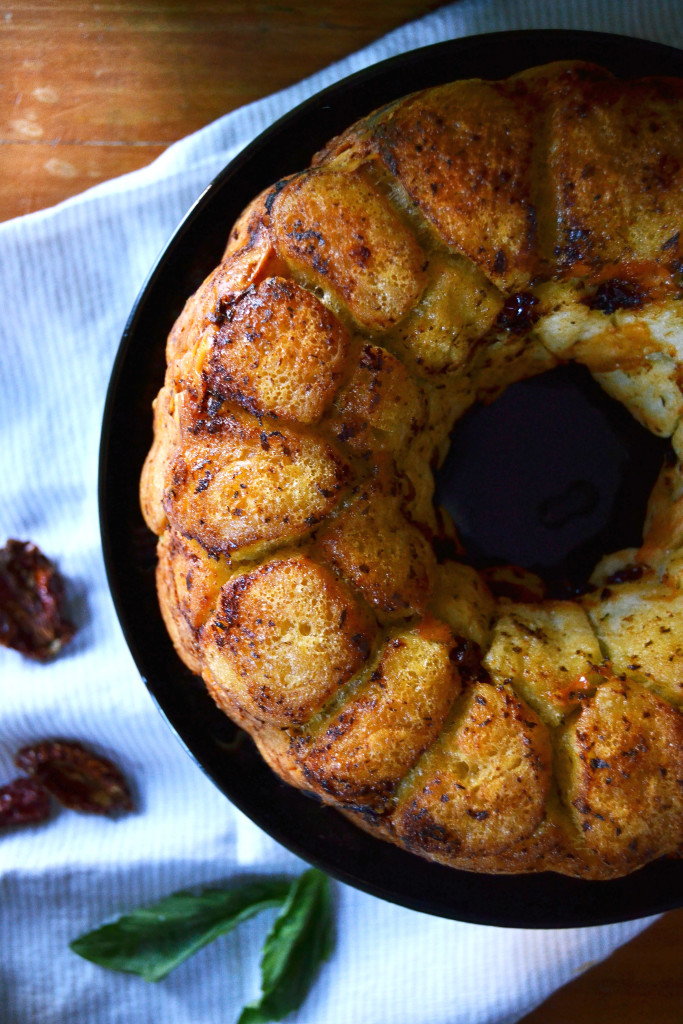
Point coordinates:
pixel 319 834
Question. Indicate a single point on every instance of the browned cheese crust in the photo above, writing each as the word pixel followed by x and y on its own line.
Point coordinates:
pixel 455 241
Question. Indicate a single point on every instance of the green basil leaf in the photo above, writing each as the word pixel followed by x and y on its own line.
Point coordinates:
pixel 151 941
pixel 299 941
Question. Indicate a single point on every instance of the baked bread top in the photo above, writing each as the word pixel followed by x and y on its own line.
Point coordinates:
pixel 455 241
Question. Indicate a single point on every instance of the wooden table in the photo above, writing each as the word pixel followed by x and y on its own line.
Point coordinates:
pixel 91 90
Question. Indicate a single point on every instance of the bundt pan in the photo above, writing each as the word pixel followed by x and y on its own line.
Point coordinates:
pixel 303 567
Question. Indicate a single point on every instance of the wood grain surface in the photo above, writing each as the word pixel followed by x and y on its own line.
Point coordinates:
pixel 92 90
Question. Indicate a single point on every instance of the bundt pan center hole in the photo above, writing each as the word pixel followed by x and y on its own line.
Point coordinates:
pixel 551 476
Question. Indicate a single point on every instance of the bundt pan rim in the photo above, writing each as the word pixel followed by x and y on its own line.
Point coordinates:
pixel 317 833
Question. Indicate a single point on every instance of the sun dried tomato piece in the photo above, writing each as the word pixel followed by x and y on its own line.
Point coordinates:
pixel 78 778
pixel 32 618
pixel 518 314
pixel 23 802
pixel 617 294
pixel 467 656
pixel 629 573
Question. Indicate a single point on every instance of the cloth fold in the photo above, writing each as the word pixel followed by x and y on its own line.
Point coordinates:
pixel 68 278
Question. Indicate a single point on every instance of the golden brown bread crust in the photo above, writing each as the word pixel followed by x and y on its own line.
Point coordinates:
pixel 447 245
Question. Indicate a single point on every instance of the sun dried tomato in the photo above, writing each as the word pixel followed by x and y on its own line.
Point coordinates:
pixel 23 802
pixel 32 601
pixel 629 573
pixel 617 294
pixel 78 778
pixel 467 656
pixel 518 314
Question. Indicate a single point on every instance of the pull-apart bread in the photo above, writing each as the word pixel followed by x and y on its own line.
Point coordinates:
pixel 449 244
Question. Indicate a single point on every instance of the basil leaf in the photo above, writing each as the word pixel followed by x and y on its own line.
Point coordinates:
pixel 151 941
pixel 299 941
